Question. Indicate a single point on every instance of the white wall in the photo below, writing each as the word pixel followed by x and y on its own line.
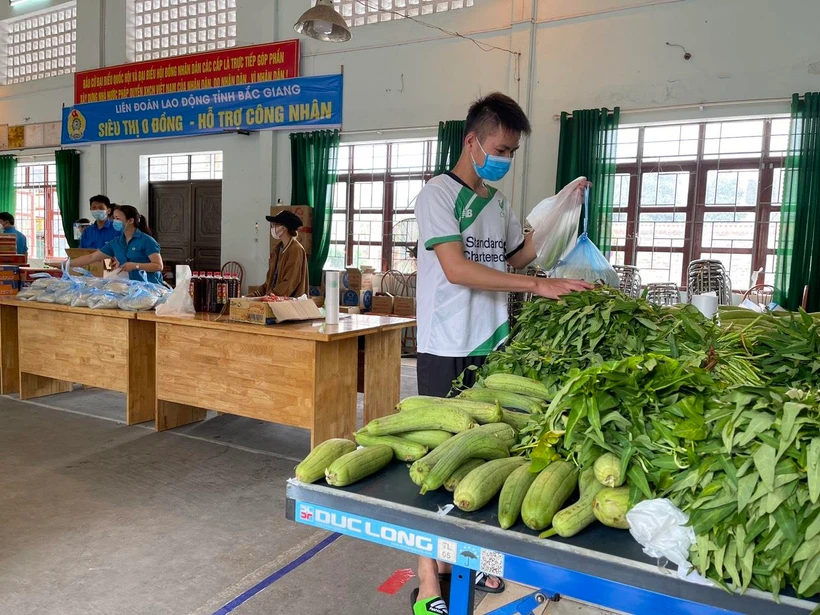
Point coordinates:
pixel 398 75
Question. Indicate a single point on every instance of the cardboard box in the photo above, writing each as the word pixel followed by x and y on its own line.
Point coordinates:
pixel 382 303
pixel 355 279
pixel 305 234
pixel 8 243
pixel 96 269
pixel 13 259
pixel 9 288
pixel 257 312
pixel 316 291
pixel 362 299
pixel 319 301
pixel 404 306
pixel 9 273
pixel 27 272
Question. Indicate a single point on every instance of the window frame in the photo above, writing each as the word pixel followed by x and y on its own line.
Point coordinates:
pixel 696 208
pixel 52 216
pixel 363 13
pixel 389 176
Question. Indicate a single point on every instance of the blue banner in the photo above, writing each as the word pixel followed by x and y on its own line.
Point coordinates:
pixel 287 104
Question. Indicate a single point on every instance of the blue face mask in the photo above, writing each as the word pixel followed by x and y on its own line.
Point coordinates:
pixel 494 167
pixel 99 214
pixel 118 225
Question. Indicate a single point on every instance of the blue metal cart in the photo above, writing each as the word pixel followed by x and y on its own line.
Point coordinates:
pixel 602 566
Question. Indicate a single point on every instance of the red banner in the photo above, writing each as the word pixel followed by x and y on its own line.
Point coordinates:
pixel 212 69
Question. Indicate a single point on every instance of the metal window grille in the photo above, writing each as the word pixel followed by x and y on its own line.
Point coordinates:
pixel 165 28
pixel 708 190
pixel 40 45
pixel 364 12
pixel 185 167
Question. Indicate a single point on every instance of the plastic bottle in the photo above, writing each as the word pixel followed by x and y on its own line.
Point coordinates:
pixel 206 292
pixel 235 288
pixel 221 291
pixel 196 280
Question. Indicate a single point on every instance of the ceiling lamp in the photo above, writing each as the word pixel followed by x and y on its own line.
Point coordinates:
pixel 323 23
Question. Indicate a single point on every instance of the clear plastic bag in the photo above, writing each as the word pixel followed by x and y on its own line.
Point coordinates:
pixel 30 293
pixel 141 297
pixel 179 302
pixel 81 299
pixel 662 529
pixel 42 281
pixel 117 286
pixel 585 261
pixel 554 223
pixel 67 295
pixel 101 300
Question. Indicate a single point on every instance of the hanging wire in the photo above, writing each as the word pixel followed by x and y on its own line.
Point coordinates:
pixel 487 47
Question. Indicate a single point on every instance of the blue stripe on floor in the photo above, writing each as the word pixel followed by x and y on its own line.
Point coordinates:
pixel 264 583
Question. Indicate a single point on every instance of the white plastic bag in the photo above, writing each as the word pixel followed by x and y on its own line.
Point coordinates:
pixel 660 528
pixel 554 223
pixel 179 302
pixel 142 296
pixel 585 261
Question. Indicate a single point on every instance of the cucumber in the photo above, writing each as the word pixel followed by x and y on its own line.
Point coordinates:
pixel 483 483
pixel 517 384
pixel 421 468
pixel 516 420
pixel 548 492
pixel 512 496
pixel 573 519
pixel 312 467
pixel 461 471
pixel 481 412
pixel 610 506
pixel 476 444
pixel 444 418
pixel 404 450
pixel 608 470
pixel 507 399
pixel 354 466
pixel 431 438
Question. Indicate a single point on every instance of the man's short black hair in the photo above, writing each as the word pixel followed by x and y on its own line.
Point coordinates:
pixel 7 217
pixel 494 111
pixel 100 198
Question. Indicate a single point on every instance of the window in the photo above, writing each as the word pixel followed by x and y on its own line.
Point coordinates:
pixel 185 167
pixel 690 191
pixel 40 45
pixel 362 12
pixel 163 28
pixel 374 200
pixel 37 213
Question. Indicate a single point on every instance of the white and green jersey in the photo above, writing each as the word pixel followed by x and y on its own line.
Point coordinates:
pixel 452 320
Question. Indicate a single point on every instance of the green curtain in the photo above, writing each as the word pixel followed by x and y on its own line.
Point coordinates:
pixel 8 198
pixel 798 245
pixel 450 144
pixel 313 158
pixel 68 191
pixel 587 147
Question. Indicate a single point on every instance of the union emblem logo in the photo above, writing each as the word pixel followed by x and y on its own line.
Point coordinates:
pixel 76 125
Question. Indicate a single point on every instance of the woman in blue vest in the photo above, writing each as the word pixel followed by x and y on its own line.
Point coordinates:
pixel 135 251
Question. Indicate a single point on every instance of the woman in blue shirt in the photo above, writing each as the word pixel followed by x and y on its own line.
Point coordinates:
pixel 135 251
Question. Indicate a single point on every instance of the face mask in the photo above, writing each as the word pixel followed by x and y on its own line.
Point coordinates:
pixel 494 167
pixel 98 214
pixel 118 225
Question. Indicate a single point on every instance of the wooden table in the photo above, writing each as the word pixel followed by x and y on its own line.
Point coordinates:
pixel 46 347
pixel 301 374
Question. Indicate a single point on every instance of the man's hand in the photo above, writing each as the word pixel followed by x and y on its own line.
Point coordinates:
pixel 554 288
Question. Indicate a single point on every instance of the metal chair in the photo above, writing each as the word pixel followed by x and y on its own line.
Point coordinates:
pixel 663 294
pixel 760 294
pixel 234 268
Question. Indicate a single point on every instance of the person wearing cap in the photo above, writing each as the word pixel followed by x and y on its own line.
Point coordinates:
pixel 288 271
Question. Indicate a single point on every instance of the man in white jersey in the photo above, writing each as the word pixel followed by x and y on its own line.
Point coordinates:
pixel 467 236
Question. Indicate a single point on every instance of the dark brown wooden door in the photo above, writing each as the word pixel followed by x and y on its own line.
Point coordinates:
pixel 187 222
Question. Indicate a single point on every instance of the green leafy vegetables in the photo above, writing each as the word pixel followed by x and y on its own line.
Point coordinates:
pixel 723 419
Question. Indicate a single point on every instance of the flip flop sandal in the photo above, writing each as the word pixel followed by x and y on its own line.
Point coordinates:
pixel 481 584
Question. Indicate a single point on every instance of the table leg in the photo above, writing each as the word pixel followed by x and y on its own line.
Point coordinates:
pixel 382 374
pixel 170 414
pixel 141 397
pixel 334 390
pixel 32 386
pixel 9 355
pixel 462 591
